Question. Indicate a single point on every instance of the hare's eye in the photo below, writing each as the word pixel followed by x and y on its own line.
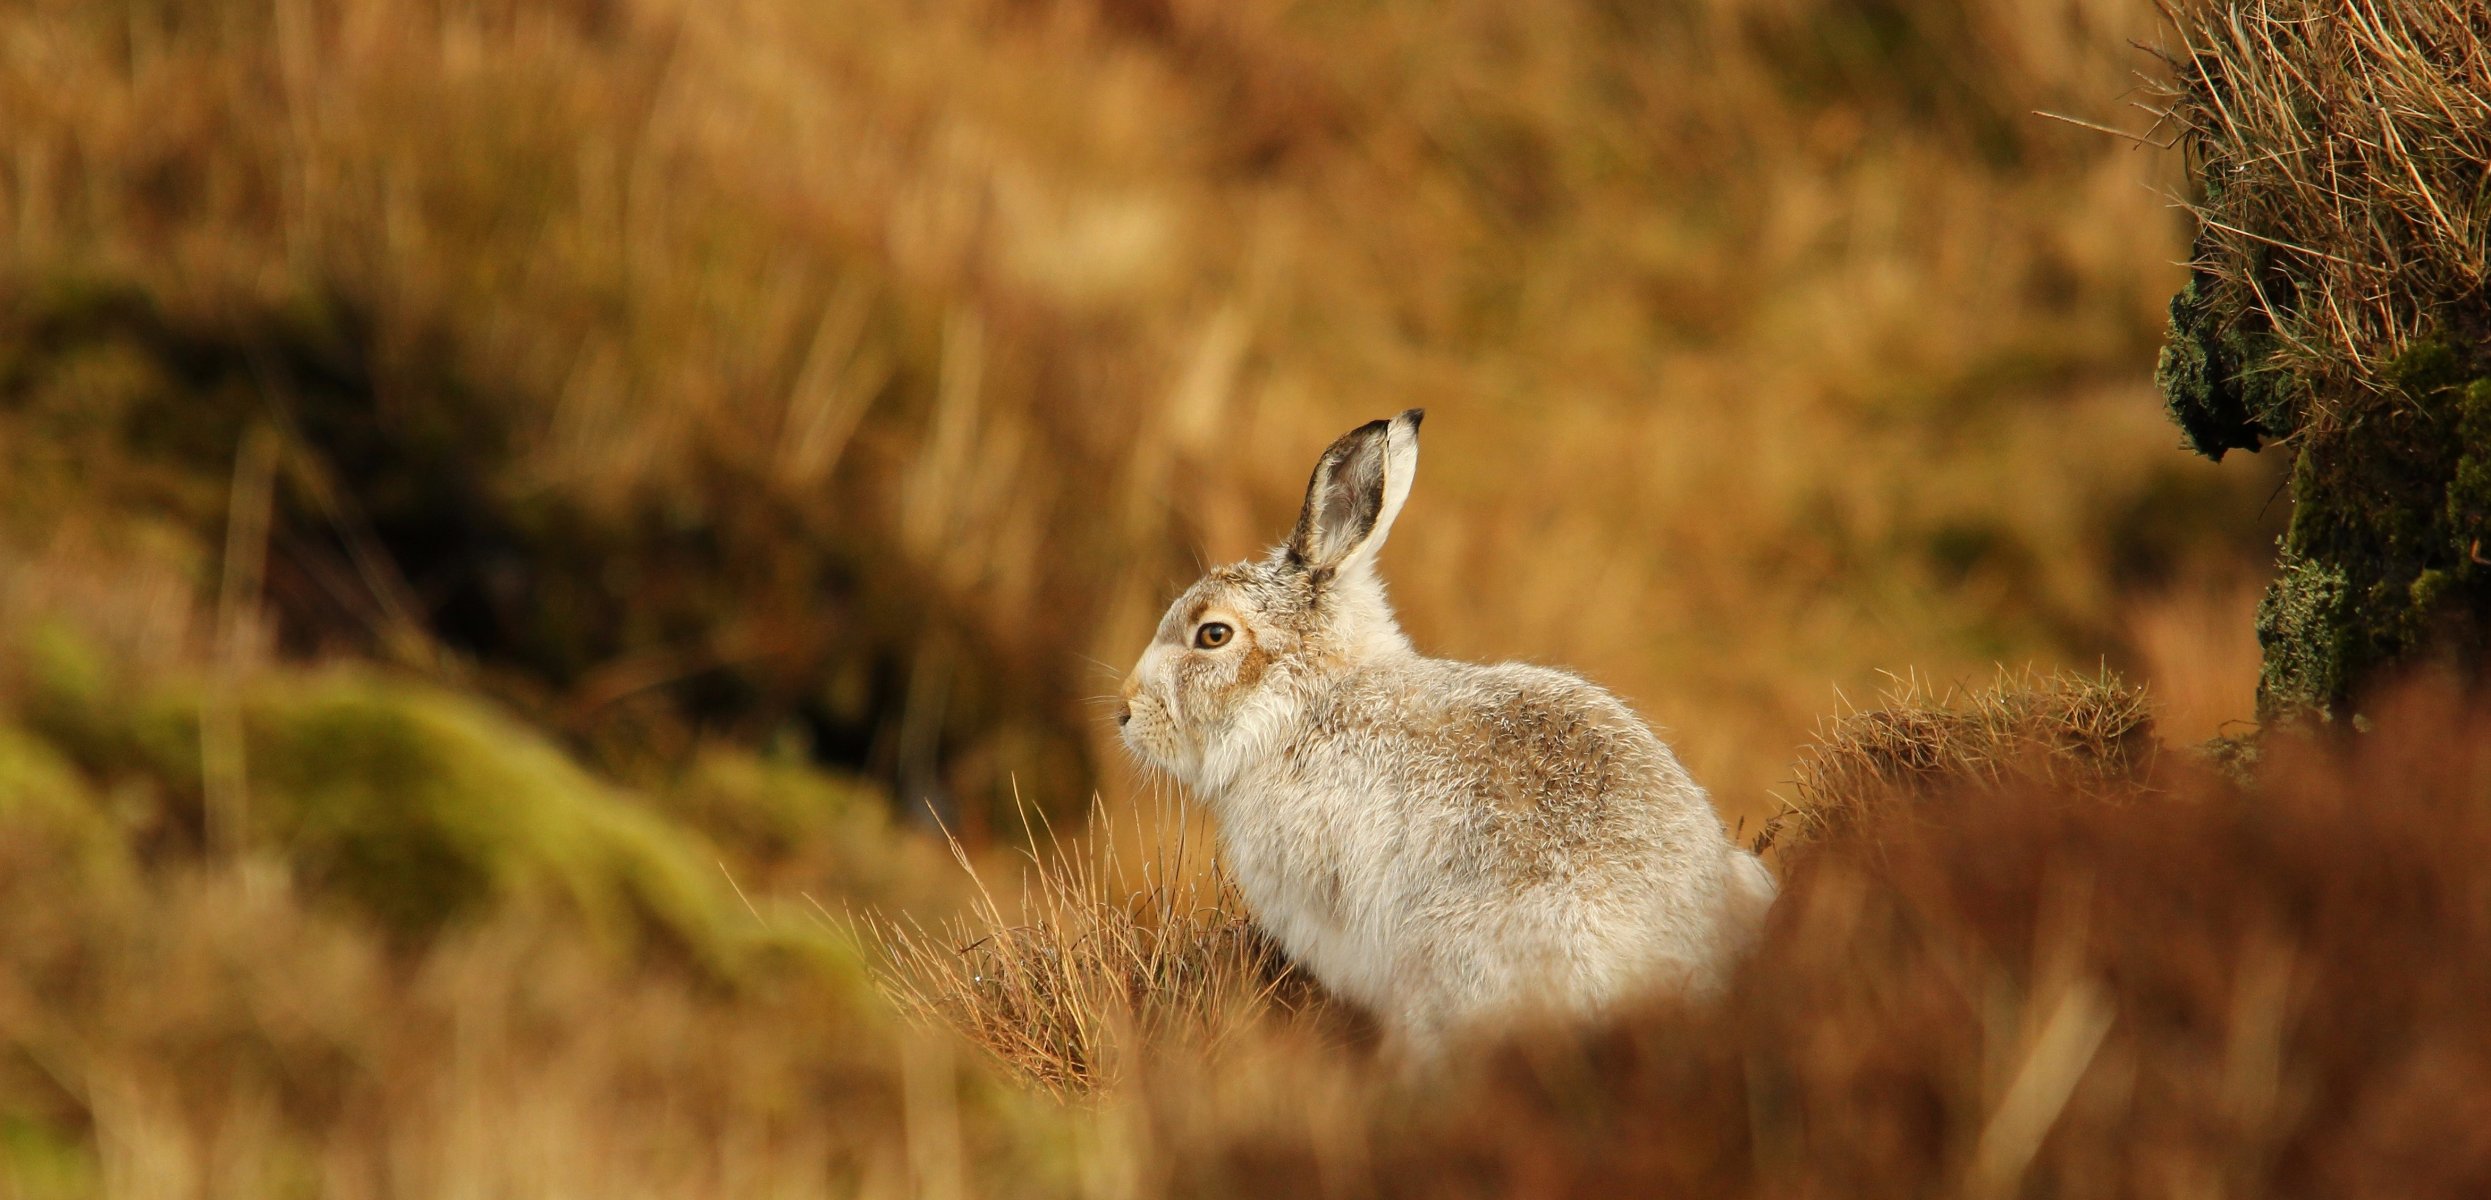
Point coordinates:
pixel 1212 635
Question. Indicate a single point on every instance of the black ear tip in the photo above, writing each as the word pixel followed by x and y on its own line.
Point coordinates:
pixel 1413 416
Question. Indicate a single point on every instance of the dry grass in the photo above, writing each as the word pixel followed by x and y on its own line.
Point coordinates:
pixel 218 1033
pixel 2345 144
pixel 1096 966
pixel 2082 735
pixel 2197 643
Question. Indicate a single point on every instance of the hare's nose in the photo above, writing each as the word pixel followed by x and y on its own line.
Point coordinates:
pixel 1124 713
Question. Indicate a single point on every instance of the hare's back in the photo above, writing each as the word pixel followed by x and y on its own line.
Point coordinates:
pixel 1541 752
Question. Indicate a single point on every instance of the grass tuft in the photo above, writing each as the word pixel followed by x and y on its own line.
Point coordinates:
pixel 2089 735
pixel 2342 148
pixel 1096 962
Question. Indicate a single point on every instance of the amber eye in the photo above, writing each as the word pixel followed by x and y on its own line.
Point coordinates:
pixel 1212 635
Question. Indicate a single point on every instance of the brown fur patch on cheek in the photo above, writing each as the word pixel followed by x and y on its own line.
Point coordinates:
pixel 1252 660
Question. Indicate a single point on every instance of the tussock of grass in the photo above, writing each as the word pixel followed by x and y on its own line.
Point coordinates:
pixel 1095 964
pixel 2343 146
pixel 2090 735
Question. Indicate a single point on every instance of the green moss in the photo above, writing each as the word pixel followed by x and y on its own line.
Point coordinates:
pixel 423 810
pixel 39 1161
pixel 42 791
pixel 2469 488
pixel 2427 589
pixel 108 725
pixel 2297 628
pixel 422 807
pixel 2426 369
pixel 768 807
pixel 2383 569
pixel 2214 383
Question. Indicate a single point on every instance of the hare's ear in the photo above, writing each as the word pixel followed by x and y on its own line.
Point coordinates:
pixel 1356 492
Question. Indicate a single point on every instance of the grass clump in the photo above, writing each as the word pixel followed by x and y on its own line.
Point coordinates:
pixel 2340 302
pixel 1095 966
pixel 2090 735
pixel 2340 147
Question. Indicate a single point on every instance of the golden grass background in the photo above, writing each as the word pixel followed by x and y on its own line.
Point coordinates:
pixel 1771 345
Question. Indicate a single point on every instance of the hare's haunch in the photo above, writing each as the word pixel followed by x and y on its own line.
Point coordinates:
pixel 1442 843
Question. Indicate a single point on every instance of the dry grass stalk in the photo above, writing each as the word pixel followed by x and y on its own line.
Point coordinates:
pixel 1095 961
pixel 2089 735
pixel 2344 144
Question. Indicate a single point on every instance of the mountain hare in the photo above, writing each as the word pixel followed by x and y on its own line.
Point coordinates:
pixel 1439 842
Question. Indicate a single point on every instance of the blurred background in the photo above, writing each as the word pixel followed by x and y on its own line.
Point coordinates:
pixel 856 381
pixel 523 508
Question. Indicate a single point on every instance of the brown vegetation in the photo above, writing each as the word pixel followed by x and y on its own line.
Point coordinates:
pixel 2270 991
pixel 2083 736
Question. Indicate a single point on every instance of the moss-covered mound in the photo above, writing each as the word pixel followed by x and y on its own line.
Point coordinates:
pixel 2340 306
pixel 423 810
pixel 420 807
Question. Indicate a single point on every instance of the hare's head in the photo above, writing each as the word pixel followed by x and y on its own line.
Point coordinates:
pixel 1235 655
